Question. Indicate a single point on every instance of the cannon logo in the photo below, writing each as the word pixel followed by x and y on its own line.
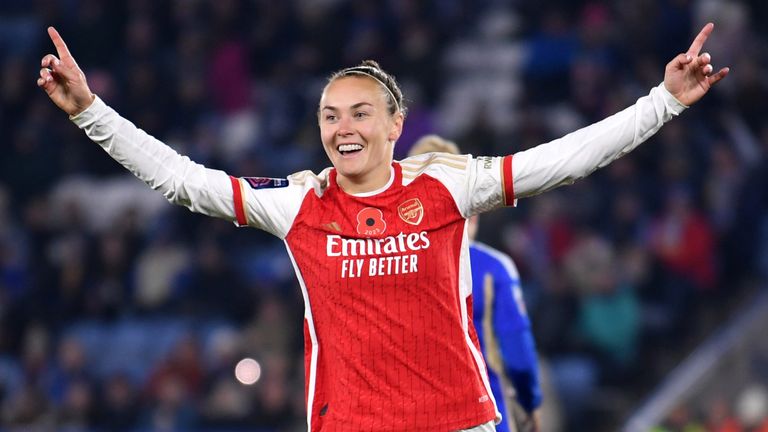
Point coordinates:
pixel 411 211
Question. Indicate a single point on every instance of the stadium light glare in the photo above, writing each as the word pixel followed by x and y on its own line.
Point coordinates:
pixel 248 371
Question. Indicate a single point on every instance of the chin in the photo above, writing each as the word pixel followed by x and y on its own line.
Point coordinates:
pixel 349 173
pixel 348 169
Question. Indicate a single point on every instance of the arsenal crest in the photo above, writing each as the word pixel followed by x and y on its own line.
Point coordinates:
pixel 411 211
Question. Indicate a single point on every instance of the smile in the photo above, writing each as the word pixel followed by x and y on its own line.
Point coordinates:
pixel 347 149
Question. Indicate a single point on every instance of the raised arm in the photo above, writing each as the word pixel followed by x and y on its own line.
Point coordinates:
pixel 180 180
pixel 687 78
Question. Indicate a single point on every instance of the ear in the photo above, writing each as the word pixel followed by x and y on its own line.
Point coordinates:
pixel 397 127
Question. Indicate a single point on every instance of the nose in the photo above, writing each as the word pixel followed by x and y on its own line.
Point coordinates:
pixel 344 129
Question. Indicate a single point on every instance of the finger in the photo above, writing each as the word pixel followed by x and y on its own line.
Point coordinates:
pixel 45 74
pixel 48 60
pixel 695 47
pixel 58 42
pixel 704 59
pixel 53 63
pixel 60 69
pixel 45 81
pixel 681 60
pixel 707 69
pixel 714 78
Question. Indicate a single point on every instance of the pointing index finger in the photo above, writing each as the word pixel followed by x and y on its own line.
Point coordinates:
pixel 698 43
pixel 58 42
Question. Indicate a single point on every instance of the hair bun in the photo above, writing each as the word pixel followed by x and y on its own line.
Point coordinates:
pixel 371 63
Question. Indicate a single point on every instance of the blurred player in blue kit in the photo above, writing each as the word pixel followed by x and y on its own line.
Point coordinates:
pixel 501 321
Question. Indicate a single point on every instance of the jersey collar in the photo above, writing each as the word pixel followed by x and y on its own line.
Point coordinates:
pixel 395 177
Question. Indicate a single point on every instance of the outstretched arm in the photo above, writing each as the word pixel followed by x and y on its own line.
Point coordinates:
pixel 687 78
pixel 179 179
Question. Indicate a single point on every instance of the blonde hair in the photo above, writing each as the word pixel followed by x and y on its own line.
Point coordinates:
pixel 433 144
pixel 371 69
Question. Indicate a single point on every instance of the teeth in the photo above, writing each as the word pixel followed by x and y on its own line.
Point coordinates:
pixel 350 147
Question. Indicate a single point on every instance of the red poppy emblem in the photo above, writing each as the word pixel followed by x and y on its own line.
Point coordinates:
pixel 370 222
pixel 411 211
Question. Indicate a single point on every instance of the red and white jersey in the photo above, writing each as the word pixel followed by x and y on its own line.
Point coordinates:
pixel 387 289
pixel 385 275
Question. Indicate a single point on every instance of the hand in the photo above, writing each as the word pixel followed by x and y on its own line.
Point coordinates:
pixel 63 80
pixel 689 76
pixel 532 422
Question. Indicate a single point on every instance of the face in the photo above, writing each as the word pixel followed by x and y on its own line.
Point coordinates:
pixel 358 132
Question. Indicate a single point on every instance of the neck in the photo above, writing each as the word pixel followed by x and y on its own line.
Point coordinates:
pixel 364 184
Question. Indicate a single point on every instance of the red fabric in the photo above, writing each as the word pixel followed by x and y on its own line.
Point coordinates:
pixel 509 189
pixel 392 354
pixel 691 251
pixel 237 194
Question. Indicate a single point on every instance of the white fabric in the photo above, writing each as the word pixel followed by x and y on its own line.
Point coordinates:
pixel 486 427
pixel 577 154
pixel 475 183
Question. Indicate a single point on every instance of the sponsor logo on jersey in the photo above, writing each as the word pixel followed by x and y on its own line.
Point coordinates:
pixel 411 211
pixel 370 222
pixel 265 182
pixel 372 257
pixel 337 245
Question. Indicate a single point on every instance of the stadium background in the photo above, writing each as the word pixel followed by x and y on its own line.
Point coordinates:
pixel 120 312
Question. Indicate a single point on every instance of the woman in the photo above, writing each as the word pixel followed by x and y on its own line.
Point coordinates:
pixel 380 247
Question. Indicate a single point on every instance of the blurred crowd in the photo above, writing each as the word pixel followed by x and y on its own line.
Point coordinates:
pixel 119 312
pixel 747 413
pixel 732 396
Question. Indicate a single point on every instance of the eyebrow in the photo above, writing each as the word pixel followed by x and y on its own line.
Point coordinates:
pixel 355 106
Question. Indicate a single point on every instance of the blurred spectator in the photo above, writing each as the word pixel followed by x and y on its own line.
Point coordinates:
pixel 608 317
pixel 211 288
pixel 77 409
pixel 274 408
pixel 28 409
pixel 68 371
pixel 171 407
pixel 182 368
pixel 157 270
pixel 683 240
pixel 228 405
pixel 720 418
pixel 119 407
pixel 752 407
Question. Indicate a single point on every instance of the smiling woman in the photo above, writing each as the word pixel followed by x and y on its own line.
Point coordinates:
pixel 380 248
pixel 361 117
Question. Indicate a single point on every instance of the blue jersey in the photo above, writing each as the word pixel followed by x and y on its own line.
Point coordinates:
pixel 504 329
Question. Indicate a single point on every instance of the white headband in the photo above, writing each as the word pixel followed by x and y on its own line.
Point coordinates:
pixel 355 70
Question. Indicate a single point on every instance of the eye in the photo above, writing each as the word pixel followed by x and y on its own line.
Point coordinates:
pixel 330 117
pixel 361 114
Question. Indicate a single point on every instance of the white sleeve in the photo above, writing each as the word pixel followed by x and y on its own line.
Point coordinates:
pixel 579 153
pixel 476 184
pixel 272 204
pixel 180 180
